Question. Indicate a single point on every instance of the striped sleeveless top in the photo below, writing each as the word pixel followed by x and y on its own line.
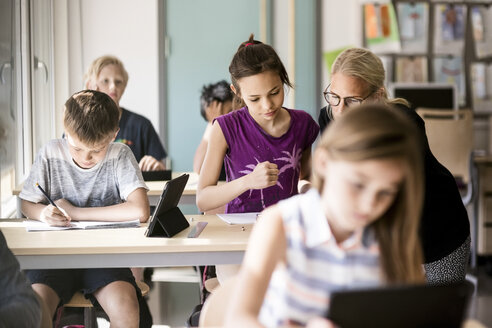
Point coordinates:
pixel 315 264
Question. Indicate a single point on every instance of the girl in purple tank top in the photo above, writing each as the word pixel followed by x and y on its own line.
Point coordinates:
pixel 266 148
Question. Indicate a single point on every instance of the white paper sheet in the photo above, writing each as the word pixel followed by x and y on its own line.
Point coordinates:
pixel 239 218
pixel 34 225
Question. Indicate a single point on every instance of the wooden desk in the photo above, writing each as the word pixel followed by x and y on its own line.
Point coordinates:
pixel 189 193
pixel 219 243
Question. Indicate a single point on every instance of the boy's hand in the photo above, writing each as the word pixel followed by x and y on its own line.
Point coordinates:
pixel 149 163
pixel 264 175
pixel 55 216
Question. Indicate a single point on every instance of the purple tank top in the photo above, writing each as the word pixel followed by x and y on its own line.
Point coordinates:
pixel 248 145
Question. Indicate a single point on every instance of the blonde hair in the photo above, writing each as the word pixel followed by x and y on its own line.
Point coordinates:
pixel 366 66
pixel 99 63
pixel 377 131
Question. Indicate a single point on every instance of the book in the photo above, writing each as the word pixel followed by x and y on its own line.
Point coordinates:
pixel 34 225
pixel 239 218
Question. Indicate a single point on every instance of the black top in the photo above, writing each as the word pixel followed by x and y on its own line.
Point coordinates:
pixel 137 132
pixel 444 226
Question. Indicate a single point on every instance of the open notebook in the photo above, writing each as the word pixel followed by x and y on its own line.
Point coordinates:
pixel 34 225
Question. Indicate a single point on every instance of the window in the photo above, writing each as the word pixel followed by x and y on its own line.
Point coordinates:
pixel 26 91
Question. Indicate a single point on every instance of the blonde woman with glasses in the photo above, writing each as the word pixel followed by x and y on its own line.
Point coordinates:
pixel 357 77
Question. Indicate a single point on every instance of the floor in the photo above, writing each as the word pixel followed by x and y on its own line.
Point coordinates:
pixel 480 307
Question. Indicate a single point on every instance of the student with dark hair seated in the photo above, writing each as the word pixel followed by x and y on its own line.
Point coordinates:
pixel 216 100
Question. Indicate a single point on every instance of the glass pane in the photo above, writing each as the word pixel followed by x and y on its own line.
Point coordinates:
pixel 8 104
pixel 42 73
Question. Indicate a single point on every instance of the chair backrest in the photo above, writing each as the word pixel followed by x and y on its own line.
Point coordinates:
pixel 450 135
pixel 215 307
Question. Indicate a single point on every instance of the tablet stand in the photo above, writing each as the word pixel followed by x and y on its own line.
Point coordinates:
pixel 167 219
pixel 168 223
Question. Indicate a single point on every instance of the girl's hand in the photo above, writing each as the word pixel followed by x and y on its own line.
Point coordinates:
pixel 55 216
pixel 264 175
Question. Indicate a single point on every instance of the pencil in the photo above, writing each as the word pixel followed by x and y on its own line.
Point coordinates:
pixel 46 195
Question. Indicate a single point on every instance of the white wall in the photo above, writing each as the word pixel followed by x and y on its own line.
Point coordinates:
pixel 124 28
pixel 128 30
pixel 341 26
pixel 280 34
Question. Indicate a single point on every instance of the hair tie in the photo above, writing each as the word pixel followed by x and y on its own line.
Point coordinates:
pixel 248 44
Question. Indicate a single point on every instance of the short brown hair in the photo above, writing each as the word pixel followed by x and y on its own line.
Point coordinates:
pixel 378 132
pixel 91 115
pixel 99 63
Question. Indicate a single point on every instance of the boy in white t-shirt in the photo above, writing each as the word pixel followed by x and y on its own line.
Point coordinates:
pixel 89 178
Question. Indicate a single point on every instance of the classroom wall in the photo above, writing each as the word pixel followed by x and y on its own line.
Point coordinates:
pixel 127 29
pixel 303 56
pixel 341 26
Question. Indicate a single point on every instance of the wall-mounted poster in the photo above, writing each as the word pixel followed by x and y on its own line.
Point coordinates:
pixel 413 21
pixel 449 69
pixel 380 28
pixel 479 80
pixel 449 29
pixel 481 77
pixel 481 17
pixel 411 69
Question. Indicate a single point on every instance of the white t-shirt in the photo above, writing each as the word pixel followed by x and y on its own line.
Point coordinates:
pixel 109 182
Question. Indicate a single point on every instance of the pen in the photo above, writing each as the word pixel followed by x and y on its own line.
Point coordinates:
pixel 46 195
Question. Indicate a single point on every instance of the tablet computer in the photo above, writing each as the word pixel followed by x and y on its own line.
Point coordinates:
pixel 403 306
pixel 167 219
pixel 157 175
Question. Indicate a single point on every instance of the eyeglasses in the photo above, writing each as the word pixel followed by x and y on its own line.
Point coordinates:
pixel 334 100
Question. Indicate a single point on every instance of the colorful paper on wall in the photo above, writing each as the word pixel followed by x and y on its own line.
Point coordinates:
pixel 479 80
pixel 481 17
pixel 481 83
pixel 330 56
pixel 413 21
pixel 411 69
pixel 381 28
pixel 481 75
pixel 450 23
pixel 449 69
